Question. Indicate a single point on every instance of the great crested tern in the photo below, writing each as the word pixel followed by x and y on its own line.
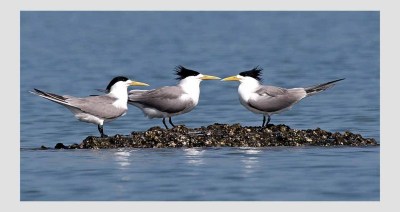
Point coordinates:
pixel 268 100
pixel 168 101
pixel 99 108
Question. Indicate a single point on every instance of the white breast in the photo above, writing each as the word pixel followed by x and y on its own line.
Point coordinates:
pixel 121 104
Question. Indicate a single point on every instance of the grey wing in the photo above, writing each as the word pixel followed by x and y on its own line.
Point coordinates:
pixel 271 91
pixel 100 106
pixel 273 99
pixel 165 99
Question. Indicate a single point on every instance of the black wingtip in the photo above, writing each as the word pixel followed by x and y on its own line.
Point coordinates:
pixel 321 87
pixel 47 94
pixel 37 91
pixel 335 81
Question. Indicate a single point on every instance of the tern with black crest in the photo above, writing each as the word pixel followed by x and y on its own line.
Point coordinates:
pixel 268 100
pixel 168 101
pixel 97 109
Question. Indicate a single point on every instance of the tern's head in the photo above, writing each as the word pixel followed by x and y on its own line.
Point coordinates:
pixel 185 74
pixel 251 76
pixel 122 83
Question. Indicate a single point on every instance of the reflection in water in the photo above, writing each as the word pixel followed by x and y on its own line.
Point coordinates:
pixel 194 156
pixel 122 158
pixel 250 160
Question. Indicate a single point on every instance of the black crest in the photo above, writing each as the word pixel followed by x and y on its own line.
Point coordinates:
pixel 183 72
pixel 255 73
pixel 115 80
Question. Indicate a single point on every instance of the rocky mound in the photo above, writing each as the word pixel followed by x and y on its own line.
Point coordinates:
pixel 223 135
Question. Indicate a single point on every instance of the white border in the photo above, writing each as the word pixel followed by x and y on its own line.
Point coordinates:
pixel 10 82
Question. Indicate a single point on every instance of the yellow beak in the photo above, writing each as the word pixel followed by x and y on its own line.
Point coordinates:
pixel 231 78
pixel 209 77
pixel 135 83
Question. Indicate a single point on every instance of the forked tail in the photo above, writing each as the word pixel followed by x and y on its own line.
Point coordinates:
pixel 321 87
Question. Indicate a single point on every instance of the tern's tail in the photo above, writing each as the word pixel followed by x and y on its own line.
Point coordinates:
pixel 321 87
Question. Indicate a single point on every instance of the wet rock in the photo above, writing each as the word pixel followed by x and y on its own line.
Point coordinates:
pixel 44 147
pixel 60 146
pixel 223 135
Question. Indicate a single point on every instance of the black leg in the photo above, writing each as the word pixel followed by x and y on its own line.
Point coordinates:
pixel 263 121
pixel 170 121
pixel 163 121
pixel 100 128
pixel 269 119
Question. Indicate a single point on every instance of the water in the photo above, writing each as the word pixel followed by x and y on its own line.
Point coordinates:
pixel 203 174
pixel 76 52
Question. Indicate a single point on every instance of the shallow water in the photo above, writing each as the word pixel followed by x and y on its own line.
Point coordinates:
pixel 76 52
pixel 282 173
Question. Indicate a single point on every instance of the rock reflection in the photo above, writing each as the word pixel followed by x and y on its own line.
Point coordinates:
pixel 194 156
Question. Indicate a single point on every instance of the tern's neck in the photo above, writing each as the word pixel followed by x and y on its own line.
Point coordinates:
pixel 190 86
pixel 247 88
pixel 119 92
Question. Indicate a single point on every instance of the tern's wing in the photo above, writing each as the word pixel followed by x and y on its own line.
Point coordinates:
pixel 100 106
pixel 165 99
pixel 266 90
pixel 272 99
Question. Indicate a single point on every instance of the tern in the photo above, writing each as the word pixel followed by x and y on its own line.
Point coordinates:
pixel 168 101
pixel 268 100
pixel 97 109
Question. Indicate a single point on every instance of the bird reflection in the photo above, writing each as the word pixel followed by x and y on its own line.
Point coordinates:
pixel 250 161
pixel 122 158
pixel 194 156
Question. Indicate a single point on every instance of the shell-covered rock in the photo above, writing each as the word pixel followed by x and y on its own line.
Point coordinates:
pixel 224 135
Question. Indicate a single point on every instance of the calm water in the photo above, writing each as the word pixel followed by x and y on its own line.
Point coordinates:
pixel 76 52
